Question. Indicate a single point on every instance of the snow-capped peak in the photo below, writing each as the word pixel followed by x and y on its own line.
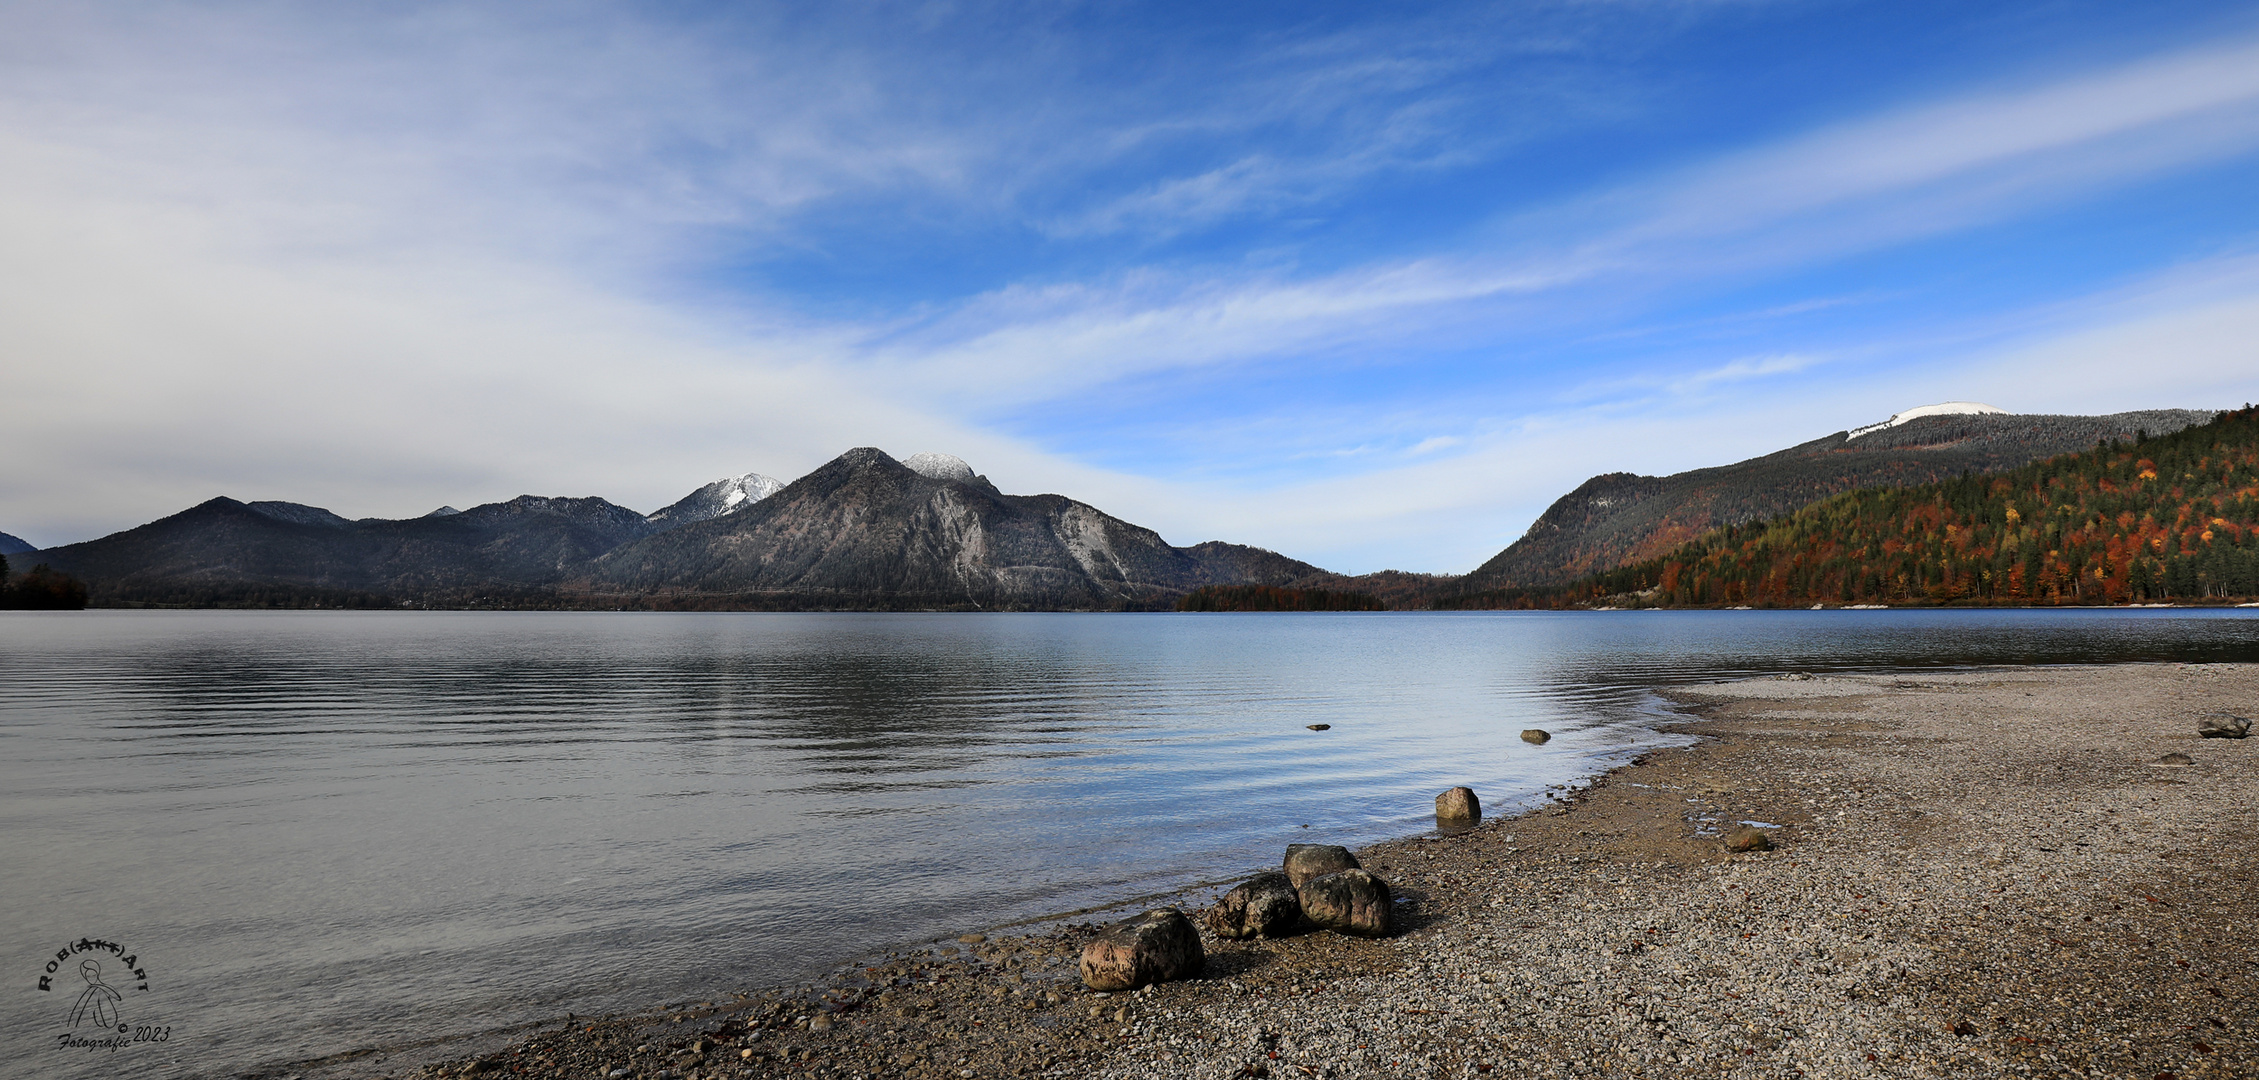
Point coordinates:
pixel 1948 408
pixel 939 466
pixel 725 496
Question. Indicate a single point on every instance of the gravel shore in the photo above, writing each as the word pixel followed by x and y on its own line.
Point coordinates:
pixel 1975 874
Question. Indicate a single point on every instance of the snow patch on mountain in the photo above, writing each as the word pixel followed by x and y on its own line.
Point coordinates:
pixel 725 496
pixel 939 467
pixel 1947 408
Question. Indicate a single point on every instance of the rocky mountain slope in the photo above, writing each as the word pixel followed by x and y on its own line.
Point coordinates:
pixel 1619 518
pixel 867 531
pixel 864 531
pixel 725 496
pixel 223 551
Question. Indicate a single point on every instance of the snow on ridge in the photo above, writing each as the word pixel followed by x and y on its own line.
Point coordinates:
pixel 727 495
pixel 749 488
pixel 939 466
pixel 1947 408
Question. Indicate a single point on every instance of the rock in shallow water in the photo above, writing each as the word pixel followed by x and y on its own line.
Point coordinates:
pixel 1349 902
pixel 1458 806
pixel 1306 861
pixel 1158 946
pixel 1537 735
pixel 1265 905
pixel 1745 838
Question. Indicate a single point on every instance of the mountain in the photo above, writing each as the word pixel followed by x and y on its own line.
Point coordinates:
pixel 10 545
pixel 1619 518
pixel 867 531
pixel 2162 518
pixel 299 514
pixel 224 551
pixel 942 467
pixel 725 496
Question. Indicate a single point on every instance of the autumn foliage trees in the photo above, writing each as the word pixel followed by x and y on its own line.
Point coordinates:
pixel 2174 518
pixel 40 589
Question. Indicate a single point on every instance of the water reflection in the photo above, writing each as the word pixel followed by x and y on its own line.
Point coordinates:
pixel 437 822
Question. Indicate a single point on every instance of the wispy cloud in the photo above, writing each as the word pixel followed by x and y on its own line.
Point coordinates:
pixel 390 256
pixel 1756 367
pixel 1851 188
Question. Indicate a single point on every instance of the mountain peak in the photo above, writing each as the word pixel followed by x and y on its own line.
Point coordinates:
pixel 864 457
pixel 935 466
pixel 727 495
pixel 299 514
pixel 1945 408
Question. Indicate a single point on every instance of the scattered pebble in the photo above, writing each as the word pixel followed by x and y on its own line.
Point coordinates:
pixel 1981 883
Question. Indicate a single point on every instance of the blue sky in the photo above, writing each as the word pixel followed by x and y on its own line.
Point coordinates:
pixel 1366 284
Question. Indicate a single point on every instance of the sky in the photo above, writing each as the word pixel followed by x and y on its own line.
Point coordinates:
pixel 1366 284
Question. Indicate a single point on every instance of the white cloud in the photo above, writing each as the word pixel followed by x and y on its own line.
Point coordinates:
pixel 1743 370
pixel 2182 338
pixel 383 262
pixel 1847 189
pixel 1433 443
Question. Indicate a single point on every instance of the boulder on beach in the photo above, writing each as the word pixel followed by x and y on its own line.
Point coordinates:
pixel 1264 906
pixel 1348 902
pixel 1306 861
pixel 2222 726
pixel 1158 946
pixel 1537 735
pixel 1458 806
pixel 1745 838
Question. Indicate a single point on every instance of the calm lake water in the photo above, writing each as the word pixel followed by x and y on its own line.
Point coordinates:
pixel 322 831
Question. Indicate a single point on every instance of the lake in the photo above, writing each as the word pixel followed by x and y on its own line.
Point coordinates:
pixel 319 831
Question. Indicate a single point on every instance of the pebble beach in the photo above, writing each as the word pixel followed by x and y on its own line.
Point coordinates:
pixel 1973 874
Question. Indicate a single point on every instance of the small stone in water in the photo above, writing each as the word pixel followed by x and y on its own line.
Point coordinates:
pixel 1744 838
pixel 1319 727
pixel 1458 805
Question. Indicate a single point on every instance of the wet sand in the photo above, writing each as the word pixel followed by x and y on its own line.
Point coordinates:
pixel 1975 874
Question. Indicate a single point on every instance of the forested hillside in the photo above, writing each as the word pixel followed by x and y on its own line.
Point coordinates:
pixel 1619 519
pixel 2151 519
